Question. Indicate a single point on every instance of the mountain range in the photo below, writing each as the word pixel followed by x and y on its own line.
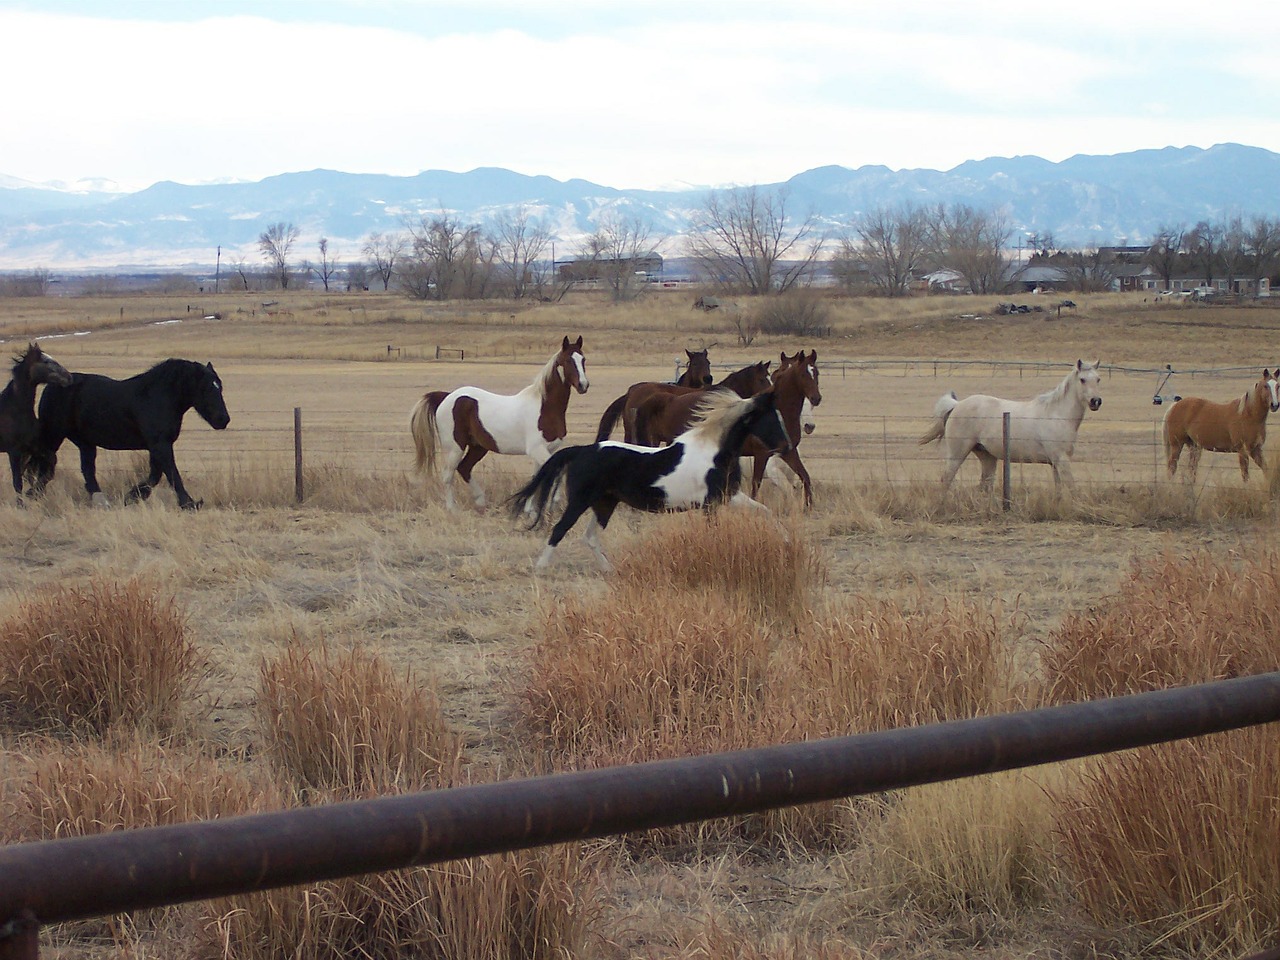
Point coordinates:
pixel 1081 201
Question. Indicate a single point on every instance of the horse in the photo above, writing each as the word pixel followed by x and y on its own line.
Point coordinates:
pixel 795 382
pixel 1041 430
pixel 696 376
pixel 699 469
pixel 774 470
pixel 1238 426
pixel 143 412
pixel 661 415
pixel 19 429
pixel 468 423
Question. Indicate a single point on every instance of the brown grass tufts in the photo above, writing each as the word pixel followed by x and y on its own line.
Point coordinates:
pixel 92 657
pixel 769 564
pixel 343 722
pixel 1175 620
pixel 1180 840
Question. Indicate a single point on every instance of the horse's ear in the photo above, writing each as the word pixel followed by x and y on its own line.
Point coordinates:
pixel 813 356
pixel 577 345
pixel 1079 365
pixel 565 345
pixel 688 353
pixel 782 357
pixel 766 364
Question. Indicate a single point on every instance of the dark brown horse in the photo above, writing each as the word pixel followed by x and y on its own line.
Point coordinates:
pixel 19 429
pixel 661 416
pixel 794 382
pixel 468 423
pixel 696 375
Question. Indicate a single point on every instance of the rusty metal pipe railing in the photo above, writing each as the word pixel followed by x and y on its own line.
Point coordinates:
pixel 69 879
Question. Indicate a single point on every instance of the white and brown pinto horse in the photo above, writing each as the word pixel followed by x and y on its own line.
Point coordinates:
pixel 1238 426
pixel 1041 430
pixel 467 423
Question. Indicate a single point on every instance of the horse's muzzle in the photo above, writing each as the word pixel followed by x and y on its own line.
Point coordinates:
pixel 221 424
pixel 1095 403
pixel 582 385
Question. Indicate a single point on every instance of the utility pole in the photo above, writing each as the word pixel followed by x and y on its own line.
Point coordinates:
pixel 217 270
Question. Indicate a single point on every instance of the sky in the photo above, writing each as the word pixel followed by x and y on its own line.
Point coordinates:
pixel 632 94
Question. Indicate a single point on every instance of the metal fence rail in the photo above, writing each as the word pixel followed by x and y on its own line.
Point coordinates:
pixel 71 879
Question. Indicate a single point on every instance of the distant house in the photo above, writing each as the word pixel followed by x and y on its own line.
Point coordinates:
pixel 576 271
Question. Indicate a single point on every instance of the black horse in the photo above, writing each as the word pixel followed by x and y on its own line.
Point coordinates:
pixel 18 428
pixel 142 413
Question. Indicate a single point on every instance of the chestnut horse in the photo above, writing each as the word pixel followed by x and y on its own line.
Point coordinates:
pixel 697 375
pixel 469 422
pixel 1238 426
pixel 663 415
pixel 794 382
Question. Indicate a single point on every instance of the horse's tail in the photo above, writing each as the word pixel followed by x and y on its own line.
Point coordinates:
pixel 612 413
pixel 534 496
pixel 422 425
pixel 941 410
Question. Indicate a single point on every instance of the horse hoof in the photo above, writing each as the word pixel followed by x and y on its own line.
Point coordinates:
pixel 101 501
pixel 193 504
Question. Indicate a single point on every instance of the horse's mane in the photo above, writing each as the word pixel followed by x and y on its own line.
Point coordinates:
pixel 544 378
pixel 715 415
pixel 1059 392
pixel 20 358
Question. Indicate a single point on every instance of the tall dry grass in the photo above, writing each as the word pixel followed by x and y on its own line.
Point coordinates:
pixel 1175 620
pixel 98 655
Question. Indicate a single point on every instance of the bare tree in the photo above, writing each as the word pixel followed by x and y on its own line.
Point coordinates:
pixel 743 239
pixel 973 243
pixel 358 275
pixel 615 251
pixel 519 240
pixel 892 243
pixel 328 265
pixel 1203 245
pixel 241 270
pixel 1263 240
pixel 274 242
pixel 1089 271
pixel 1164 253
pixel 448 260
pixel 382 251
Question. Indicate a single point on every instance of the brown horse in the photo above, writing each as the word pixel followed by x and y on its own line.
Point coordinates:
pixel 697 375
pixel 1238 426
pixel 794 382
pixel 469 422
pixel 663 415
pixel 18 427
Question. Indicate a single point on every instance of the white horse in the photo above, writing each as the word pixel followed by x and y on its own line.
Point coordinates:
pixel 1042 430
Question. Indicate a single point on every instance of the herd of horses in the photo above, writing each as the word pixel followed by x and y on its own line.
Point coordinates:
pixel 683 443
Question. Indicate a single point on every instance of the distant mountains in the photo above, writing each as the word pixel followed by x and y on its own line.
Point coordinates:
pixel 1082 201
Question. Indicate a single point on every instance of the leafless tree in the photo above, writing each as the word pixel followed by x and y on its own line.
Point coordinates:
pixel 358 275
pixel 274 242
pixel 382 251
pixel 447 260
pixel 743 239
pixel 1203 244
pixel 34 283
pixel 973 243
pixel 892 243
pixel 619 243
pixel 1090 270
pixel 519 241
pixel 241 270
pixel 1263 242
pixel 1164 253
pixel 328 265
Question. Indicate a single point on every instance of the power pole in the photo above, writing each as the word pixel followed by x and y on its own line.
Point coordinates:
pixel 217 270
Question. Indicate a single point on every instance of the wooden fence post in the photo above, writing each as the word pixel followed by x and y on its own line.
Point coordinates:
pixel 1005 498
pixel 297 453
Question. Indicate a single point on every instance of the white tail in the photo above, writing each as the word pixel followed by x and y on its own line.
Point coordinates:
pixel 941 410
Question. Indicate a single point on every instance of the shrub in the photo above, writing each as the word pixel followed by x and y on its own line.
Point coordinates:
pixel 92 657
pixel 797 313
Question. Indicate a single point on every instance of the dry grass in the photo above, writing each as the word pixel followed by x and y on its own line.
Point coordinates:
pixel 93 657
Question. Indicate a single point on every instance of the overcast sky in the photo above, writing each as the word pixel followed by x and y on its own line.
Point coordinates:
pixel 626 94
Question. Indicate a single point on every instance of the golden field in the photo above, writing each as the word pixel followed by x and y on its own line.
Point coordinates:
pixel 369 592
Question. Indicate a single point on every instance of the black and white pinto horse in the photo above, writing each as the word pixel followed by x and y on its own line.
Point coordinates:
pixel 18 427
pixel 143 412
pixel 699 469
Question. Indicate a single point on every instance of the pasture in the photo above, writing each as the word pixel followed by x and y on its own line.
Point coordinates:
pixel 372 563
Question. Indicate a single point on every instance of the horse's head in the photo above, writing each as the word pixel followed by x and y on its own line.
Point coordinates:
pixel 698 371
pixel 1087 380
pixel 39 367
pixel 1269 387
pixel 209 402
pixel 572 365
pixel 757 378
pixel 802 370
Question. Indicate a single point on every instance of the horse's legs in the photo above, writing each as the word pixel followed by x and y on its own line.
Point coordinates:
pixel 951 467
pixel 475 453
pixel 989 462
pixel 1062 473
pixel 599 519
pixel 15 465
pixel 448 468
pixel 1256 453
pixel 89 470
pixel 577 507
pixel 142 489
pixel 163 464
pixel 1258 458
pixel 792 459
pixel 1173 450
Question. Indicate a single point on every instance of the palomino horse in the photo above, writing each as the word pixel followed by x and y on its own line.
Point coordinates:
pixel 1042 430
pixel 18 426
pixel 663 415
pixel 469 422
pixel 696 376
pixel 143 412
pixel 699 469
pixel 795 382
pixel 1239 426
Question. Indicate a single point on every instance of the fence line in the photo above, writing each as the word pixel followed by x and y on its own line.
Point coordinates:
pixel 61 880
